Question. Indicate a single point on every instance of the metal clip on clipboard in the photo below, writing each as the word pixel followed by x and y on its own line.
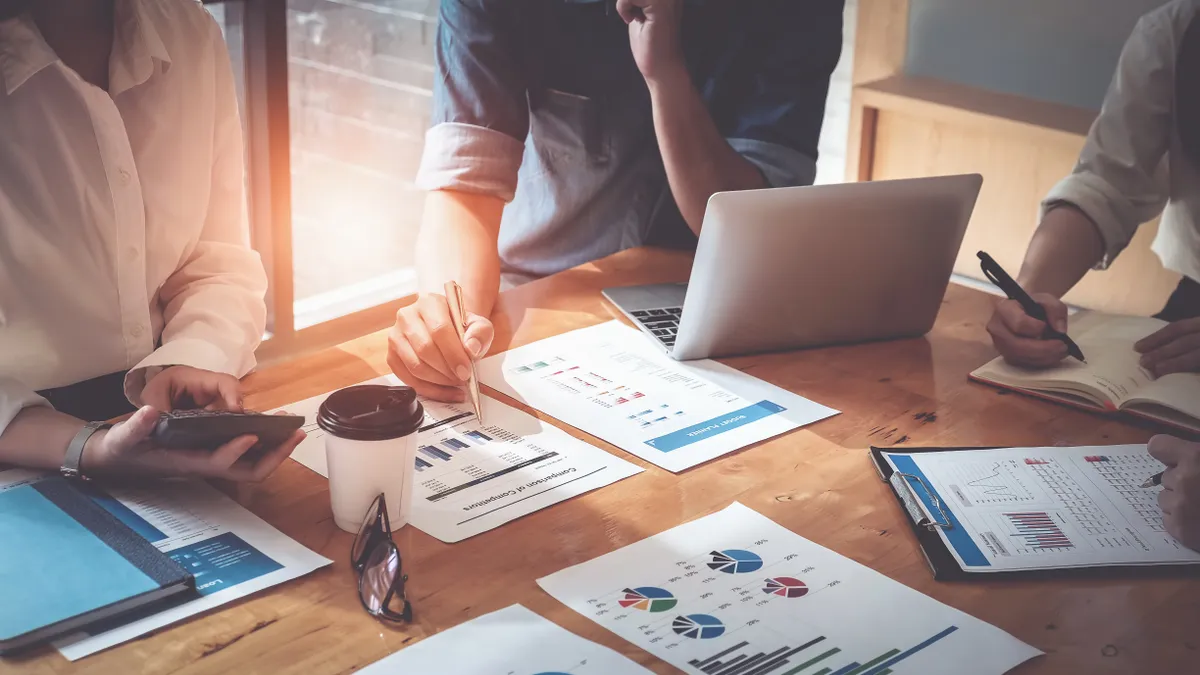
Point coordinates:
pixel 903 484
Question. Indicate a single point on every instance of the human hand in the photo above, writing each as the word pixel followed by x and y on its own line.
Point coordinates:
pixel 425 352
pixel 1174 349
pixel 1180 497
pixel 1018 336
pixel 185 388
pixel 127 449
pixel 655 36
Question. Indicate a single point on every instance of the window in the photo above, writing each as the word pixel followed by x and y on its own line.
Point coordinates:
pixel 360 75
pixel 335 98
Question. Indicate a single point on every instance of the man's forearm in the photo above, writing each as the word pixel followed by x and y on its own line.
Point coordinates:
pixel 1065 246
pixel 698 160
pixel 458 241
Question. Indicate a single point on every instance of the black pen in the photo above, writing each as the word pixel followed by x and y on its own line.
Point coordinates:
pixel 1154 480
pixel 992 270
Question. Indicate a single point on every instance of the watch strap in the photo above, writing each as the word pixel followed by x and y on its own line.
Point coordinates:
pixel 70 465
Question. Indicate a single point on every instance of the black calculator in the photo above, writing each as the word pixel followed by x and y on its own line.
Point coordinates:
pixel 210 429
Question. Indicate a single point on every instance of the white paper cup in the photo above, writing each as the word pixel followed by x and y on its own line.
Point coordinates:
pixel 371 447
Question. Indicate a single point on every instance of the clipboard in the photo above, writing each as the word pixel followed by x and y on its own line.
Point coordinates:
pixel 926 522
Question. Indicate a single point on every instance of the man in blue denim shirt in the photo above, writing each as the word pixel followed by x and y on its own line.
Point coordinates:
pixel 602 125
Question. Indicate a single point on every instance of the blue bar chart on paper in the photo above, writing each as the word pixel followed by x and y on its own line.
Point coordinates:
pixel 734 593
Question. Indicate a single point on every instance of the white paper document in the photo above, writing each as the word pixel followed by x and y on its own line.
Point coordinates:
pixel 231 552
pixel 1045 508
pixel 472 478
pixel 736 592
pixel 511 641
pixel 609 381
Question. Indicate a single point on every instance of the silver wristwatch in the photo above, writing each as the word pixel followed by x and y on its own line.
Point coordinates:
pixel 70 465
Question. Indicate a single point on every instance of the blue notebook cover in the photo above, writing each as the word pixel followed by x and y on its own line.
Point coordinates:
pixel 65 558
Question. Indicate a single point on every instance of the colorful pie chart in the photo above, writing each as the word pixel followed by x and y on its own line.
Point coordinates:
pixel 698 626
pixel 648 599
pixel 785 587
pixel 735 561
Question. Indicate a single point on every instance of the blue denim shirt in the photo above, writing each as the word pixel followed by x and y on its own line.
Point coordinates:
pixel 540 102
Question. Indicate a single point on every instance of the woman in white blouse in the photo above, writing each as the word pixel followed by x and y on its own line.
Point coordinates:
pixel 126 277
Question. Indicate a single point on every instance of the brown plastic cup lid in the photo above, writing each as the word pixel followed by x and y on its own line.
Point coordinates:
pixel 371 412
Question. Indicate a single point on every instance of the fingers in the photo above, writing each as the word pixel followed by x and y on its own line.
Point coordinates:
pixel 1170 501
pixel 157 393
pixel 477 339
pixel 270 461
pixel 1172 480
pixel 399 357
pixel 1169 333
pixel 230 389
pixel 628 10
pixel 1056 311
pixel 1018 338
pixel 129 434
pixel 1018 322
pixel 1170 450
pixel 411 323
pixel 1180 355
pixel 438 320
pixel 228 455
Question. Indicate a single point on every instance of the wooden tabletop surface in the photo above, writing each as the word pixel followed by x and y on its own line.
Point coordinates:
pixel 817 482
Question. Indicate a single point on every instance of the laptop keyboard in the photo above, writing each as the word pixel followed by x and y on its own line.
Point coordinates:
pixel 661 323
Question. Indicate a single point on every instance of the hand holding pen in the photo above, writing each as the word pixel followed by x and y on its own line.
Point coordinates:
pixel 1028 331
pixel 1180 496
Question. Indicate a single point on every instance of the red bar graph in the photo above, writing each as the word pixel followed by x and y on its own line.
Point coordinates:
pixel 1039 531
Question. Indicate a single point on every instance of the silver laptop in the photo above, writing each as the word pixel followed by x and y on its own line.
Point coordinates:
pixel 788 268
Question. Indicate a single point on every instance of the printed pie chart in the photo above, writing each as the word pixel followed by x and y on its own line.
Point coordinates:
pixel 735 561
pixel 648 599
pixel 698 626
pixel 785 587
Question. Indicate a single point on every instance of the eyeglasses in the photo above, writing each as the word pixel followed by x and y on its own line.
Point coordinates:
pixel 376 561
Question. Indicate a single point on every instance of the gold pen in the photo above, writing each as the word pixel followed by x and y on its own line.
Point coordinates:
pixel 458 312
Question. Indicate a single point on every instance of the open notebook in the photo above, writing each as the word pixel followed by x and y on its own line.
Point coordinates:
pixel 1111 380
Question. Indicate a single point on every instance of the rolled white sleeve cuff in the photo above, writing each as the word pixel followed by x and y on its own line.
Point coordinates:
pixel 470 158
pixel 780 165
pixel 192 352
pixel 15 397
pixel 1101 203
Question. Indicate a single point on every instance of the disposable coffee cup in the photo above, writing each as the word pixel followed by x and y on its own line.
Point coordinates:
pixel 371 447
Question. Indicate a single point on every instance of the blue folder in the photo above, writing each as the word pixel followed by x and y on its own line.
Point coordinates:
pixel 66 562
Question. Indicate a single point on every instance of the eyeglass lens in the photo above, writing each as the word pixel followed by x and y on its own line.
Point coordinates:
pixel 364 533
pixel 379 575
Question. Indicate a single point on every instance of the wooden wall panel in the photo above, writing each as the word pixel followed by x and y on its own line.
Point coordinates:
pixel 1018 170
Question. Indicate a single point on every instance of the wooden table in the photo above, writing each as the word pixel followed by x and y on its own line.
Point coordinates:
pixel 817 482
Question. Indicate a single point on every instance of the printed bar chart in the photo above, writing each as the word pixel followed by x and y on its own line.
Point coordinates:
pixel 433 453
pixel 741 659
pixel 758 663
pixel 478 436
pixel 1039 530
